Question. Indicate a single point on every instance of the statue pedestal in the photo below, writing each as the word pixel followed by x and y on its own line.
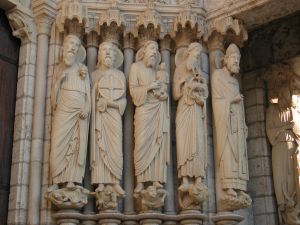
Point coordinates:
pixel 227 218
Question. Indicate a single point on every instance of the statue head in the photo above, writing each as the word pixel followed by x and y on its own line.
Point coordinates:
pixel 72 50
pixel 193 57
pixel 232 59
pixel 149 54
pixel 109 55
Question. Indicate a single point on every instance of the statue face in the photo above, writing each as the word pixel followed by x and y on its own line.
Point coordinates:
pixel 232 62
pixel 107 55
pixel 152 191
pixel 70 49
pixel 151 54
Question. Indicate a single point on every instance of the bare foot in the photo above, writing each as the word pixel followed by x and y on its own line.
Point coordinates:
pixel 119 190
pixel 139 187
pixel 157 184
pixel 231 192
pixel 100 188
pixel 70 185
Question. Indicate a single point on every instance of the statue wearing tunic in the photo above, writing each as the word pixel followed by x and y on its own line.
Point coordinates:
pixel 70 100
pixel 230 130
pixel 282 123
pixel 190 89
pixel 151 119
pixel 108 105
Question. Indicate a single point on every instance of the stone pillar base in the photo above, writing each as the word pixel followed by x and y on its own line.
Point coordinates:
pixel 227 218
pixel 68 222
pixel 109 222
pixel 191 221
pixel 150 222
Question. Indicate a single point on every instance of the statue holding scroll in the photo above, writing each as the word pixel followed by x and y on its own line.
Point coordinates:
pixel 231 133
pixel 108 106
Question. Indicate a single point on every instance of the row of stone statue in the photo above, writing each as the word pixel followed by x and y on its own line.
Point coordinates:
pixel 84 109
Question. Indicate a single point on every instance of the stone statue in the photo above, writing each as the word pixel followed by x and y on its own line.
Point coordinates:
pixel 108 105
pixel 231 133
pixel 283 130
pixel 71 104
pixel 151 119
pixel 191 91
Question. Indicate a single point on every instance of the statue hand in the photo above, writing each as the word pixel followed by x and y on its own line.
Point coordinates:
pixel 83 71
pixel 238 98
pixel 154 85
pixel 84 113
pixel 102 104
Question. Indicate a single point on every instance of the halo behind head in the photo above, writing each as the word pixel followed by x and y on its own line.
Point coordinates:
pixel 119 55
pixel 141 52
pixel 81 54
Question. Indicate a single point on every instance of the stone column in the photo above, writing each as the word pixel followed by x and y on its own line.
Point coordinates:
pixel 92 51
pixel 91 59
pixel 24 28
pixel 128 129
pixel 44 22
pixel 169 208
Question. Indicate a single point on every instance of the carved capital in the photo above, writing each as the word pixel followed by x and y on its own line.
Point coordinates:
pixel 92 39
pixel 129 41
pixel 44 15
pixel 232 30
pixel 216 42
pixel 166 43
pixel 22 24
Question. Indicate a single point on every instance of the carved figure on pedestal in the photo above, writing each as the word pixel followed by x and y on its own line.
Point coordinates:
pixel 191 91
pixel 108 106
pixel 71 104
pixel 151 119
pixel 283 131
pixel 231 133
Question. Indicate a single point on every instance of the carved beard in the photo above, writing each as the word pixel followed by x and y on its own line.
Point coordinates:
pixel 69 58
pixel 193 64
pixel 234 68
pixel 150 61
pixel 108 61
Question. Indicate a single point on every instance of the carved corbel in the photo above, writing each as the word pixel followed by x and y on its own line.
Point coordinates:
pixel 189 25
pixel 22 24
pixel 72 17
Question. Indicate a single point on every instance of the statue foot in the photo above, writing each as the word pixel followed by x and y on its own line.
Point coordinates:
pixel 157 184
pixel 231 192
pixel 100 188
pixel 70 185
pixel 139 187
pixel 119 190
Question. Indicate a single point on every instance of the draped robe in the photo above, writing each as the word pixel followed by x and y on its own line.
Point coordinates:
pixel 283 135
pixel 106 134
pixel 151 123
pixel 69 132
pixel 230 130
pixel 190 128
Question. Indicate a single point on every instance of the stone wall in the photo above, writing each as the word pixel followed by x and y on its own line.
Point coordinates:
pixel 9 51
pixel 267 45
